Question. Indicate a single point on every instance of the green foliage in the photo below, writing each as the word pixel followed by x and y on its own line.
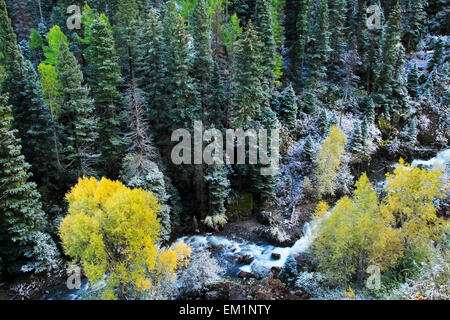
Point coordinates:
pixel 104 77
pixel 232 32
pixel 22 221
pixel 77 120
pixel 288 107
pixel 54 39
pixel 36 41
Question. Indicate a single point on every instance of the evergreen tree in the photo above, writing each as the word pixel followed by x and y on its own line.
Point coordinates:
pixel 32 116
pixel 302 27
pixel 411 133
pixel 288 107
pixel 219 189
pixel 368 108
pixel 77 120
pixel 104 78
pixel 289 271
pixel 356 145
pixel 308 150
pixel 438 54
pixel 248 90
pixel 309 101
pixel 263 27
pixel 365 131
pixel 319 50
pixel 322 122
pixel 413 82
pixel 415 17
pixel 291 13
pixel 337 18
pixel 391 53
pixel 24 245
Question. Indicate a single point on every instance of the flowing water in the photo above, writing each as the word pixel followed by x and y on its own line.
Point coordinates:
pixel 227 249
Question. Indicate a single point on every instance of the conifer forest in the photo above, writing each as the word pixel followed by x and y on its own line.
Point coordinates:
pixel 224 150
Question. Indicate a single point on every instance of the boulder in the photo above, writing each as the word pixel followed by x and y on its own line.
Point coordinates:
pixel 275 271
pixel 247 259
pixel 245 275
pixel 276 256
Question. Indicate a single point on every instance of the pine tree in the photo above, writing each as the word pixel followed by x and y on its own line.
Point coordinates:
pixel 219 188
pixel 309 101
pixel 288 107
pixel 391 53
pixel 322 121
pixel 77 120
pixel 365 130
pixel 319 50
pixel 337 17
pixel 24 245
pixel 302 27
pixel 438 54
pixel 411 133
pixel 104 78
pixel 32 116
pixel 263 27
pixel 308 150
pixel 248 90
pixel 356 145
pixel 289 271
pixel 413 82
pixel 415 17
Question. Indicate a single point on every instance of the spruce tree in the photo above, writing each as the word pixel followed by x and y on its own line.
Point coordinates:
pixel 24 245
pixel 319 50
pixel 391 52
pixel 438 54
pixel 308 150
pixel 32 116
pixel 308 102
pixel 413 82
pixel 302 27
pixel 365 130
pixel 411 133
pixel 219 188
pixel 263 27
pixel 356 143
pixel 104 77
pixel 337 17
pixel 78 124
pixel 322 121
pixel 288 107
pixel 249 95
pixel 415 17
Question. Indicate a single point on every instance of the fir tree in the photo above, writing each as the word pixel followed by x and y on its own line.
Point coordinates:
pixel 391 52
pixel 322 122
pixel 411 133
pixel 308 150
pixel 288 107
pixel 22 220
pixel 289 271
pixel 337 17
pixel 104 78
pixel 357 143
pixel 263 27
pixel 320 49
pixel 302 28
pixel 415 17
pixel 365 131
pixel 248 90
pixel 32 116
pixel 309 101
pixel 413 82
pixel 438 54
pixel 77 120
pixel 219 188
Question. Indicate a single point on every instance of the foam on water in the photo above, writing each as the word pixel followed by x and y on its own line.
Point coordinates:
pixel 441 162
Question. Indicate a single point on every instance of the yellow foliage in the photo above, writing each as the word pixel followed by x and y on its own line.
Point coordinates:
pixel 322 209
pixel 328 163
pixel 361 231
pixel 409 203
pixel 114 231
